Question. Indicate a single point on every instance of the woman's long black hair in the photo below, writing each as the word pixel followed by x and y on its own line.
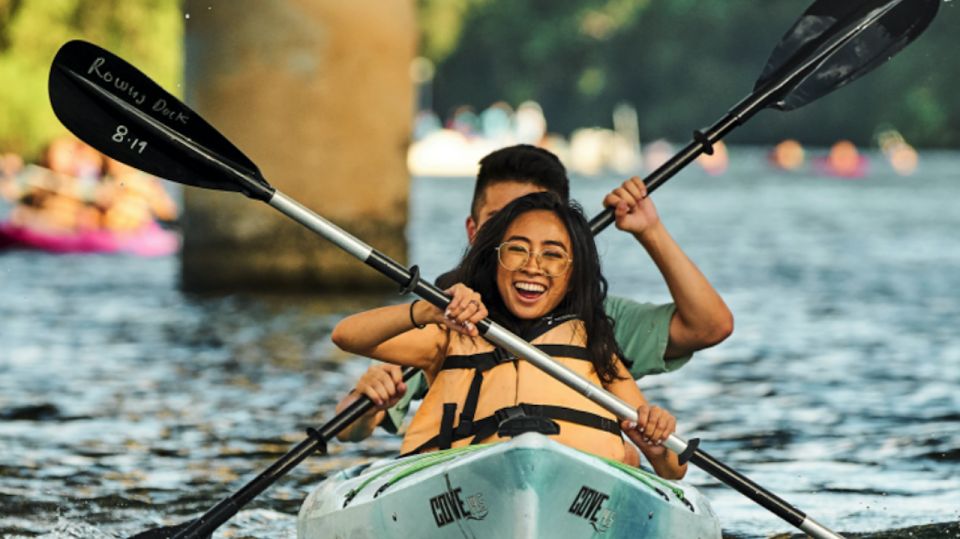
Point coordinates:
pixel 587 288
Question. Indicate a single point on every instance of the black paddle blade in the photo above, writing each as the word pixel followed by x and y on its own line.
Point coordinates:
pixel 121 112
pixel 864 34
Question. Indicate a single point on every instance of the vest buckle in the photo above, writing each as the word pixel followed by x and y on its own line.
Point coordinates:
pixel 502 356
pixel 514 420
pixel 506 414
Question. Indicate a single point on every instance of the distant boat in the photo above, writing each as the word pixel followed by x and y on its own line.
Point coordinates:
pixel 656 154
pixel 858 170
pixel 447 153
pixel 843 162
pixel 715 164
pixel 150 240
pixel 901 155
pixel 595 151
pixel 787 155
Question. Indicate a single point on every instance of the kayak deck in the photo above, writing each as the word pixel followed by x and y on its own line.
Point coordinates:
pixel 527 487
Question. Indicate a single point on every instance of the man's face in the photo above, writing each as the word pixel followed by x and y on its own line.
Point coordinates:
pixel 495 197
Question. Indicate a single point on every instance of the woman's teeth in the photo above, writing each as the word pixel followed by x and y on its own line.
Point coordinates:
pixel 530 289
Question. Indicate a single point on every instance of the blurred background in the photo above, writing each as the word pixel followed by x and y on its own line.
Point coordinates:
pixel 160 345
pixel 679 63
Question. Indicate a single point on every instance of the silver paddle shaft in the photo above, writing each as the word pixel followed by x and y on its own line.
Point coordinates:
pixel 306 217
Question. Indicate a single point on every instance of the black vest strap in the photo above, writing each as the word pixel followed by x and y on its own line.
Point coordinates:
pixel 445 437
pixel 484 361
pixel 565 350
pixel 572 415
pixel 484 428
pixel 470 405
pixel 488 426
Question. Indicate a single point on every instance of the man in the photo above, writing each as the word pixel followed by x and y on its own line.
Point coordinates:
pixel 656 338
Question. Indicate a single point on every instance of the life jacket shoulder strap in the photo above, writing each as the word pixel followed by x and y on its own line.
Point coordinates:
pixel 484 361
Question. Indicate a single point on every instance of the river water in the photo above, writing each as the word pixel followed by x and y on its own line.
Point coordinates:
pixel 126 404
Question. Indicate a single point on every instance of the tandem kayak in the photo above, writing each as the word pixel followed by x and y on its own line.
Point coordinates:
pixel 527 487
pixel 150 240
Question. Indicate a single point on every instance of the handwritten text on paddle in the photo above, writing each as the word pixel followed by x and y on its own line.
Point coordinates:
pixel 126 88
pixel 120 137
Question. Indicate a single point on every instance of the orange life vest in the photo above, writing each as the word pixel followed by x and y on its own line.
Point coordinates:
pixel 479 388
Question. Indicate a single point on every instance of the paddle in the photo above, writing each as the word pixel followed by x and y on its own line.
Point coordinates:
pixel 118 115
pixel 833 43
pixel 316 441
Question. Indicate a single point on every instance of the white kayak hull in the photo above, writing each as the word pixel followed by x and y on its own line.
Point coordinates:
pixel 527 487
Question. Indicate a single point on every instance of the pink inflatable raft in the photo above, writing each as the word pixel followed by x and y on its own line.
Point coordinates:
pixel 150 240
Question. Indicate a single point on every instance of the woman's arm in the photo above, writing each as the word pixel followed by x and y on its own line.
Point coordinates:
pixel 387 334
pixel 411 335
pixel 652 427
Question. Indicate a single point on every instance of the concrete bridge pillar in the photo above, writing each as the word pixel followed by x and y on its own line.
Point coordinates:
pixel 318 94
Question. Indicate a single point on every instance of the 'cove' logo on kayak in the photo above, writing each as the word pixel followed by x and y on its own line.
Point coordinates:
pixel 450 507
pixel 589 505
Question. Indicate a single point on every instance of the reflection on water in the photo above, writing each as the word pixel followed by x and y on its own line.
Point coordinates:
pixel 125 404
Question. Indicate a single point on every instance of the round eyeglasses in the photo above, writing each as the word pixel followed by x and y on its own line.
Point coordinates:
pixel 514 255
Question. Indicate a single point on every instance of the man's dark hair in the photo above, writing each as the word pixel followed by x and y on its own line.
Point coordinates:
pixel 521 163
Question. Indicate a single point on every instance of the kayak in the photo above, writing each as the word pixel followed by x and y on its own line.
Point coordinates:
pixel 150 240
pixel 527 487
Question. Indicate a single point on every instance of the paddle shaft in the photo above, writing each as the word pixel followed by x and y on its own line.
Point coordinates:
pixel 317 441
pixel 500 336
pixel 761 98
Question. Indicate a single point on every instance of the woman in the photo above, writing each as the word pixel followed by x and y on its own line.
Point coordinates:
pixel 534 268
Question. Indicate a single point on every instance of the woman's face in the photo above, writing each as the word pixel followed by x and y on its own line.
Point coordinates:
pixel 529 292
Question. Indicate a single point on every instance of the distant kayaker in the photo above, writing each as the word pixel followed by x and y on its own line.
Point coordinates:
pixel 656 338
pixel 49 197
pixel 131 199
pixel 77 190
pixel 535 266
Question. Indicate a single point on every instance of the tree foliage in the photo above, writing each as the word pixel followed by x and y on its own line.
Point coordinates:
pixel 682 64
pixel 149 33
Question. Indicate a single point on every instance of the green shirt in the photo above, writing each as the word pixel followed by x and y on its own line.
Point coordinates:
pixel 641 329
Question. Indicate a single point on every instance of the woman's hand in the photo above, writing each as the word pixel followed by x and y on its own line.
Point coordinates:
pixel 462 313
pixel 653 426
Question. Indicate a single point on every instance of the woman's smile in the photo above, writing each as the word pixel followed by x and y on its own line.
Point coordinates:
pixel 529 291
